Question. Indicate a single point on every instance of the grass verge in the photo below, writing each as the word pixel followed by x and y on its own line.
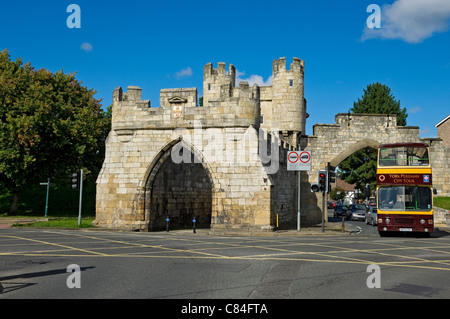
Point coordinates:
pixel 60 223
pixel 442 202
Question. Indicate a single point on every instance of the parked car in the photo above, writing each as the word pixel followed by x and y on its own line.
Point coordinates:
pixel 358 212
pixel 371 216
pixel 342 211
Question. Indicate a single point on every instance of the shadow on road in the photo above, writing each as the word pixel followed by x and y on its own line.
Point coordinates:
pixel 6 287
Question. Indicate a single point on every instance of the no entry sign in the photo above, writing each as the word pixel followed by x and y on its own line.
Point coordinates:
pixel 299 161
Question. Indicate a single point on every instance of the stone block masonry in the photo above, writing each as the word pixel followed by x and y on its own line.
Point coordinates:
pixel 225 163
pixel 217 163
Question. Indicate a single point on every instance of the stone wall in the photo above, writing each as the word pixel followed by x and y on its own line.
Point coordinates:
pixel 351 132
pixel 220 163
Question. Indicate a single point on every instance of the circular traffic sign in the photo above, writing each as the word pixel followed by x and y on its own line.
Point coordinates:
pixel 293 157
pixel 305 157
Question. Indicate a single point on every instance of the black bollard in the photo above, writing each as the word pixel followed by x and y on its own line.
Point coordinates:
pixel 167 224
pixel 194 221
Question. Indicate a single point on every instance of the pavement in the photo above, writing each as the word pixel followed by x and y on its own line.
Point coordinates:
pixel 6 222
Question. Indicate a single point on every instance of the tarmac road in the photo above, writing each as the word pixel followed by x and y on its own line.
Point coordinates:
pixel 183 265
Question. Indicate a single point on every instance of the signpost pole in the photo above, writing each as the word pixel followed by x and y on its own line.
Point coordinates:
pixel 81 198
pixel 48 184
pixel 46 200
pixel 299 162
pixel 298 204
pixel 323 212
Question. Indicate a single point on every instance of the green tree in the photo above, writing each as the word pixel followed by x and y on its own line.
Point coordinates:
pixel 377 99
pixel 50 125
pixel 360 167
pixel 337 193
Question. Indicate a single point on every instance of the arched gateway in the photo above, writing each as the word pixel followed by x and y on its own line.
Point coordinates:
pixel 351 132
pixel 225 163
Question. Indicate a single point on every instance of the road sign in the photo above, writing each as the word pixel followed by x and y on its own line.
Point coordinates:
pixel 48 184
pixel 299 161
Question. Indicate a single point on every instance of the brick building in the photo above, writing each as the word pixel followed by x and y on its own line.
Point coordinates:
pixel 443 128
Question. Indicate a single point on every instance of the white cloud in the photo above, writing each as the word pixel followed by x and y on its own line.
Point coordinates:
pixel 411 20
pixel 252 79
pixel 415 110
pixel 184 73
pixel 86 46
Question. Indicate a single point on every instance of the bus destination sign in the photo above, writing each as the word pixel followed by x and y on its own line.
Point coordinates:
pixel 404 179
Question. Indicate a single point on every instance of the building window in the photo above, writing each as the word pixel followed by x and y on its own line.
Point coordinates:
pixel 291 82
pixel 261 119
pixel 209 86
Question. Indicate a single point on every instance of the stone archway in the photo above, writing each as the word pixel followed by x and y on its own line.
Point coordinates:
pixel 359 145
pixel 178 191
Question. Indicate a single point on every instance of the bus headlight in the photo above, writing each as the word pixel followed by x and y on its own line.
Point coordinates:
pixel 430 221
pixel 388 220
pixel 422 221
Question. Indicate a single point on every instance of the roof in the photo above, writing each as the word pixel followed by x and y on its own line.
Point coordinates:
pixel 442 122
pixel 403 145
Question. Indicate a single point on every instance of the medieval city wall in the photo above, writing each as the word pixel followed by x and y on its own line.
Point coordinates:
pixel 224 163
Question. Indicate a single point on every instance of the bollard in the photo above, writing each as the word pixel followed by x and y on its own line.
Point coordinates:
pixel 194 220
pixel 343 224
pixel 167 224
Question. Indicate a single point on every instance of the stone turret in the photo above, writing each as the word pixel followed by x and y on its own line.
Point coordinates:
pixel 217 80
pixel 288 101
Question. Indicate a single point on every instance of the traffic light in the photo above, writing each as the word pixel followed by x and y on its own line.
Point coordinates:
pixel 76 180
pixel 322 181
pixel 331 176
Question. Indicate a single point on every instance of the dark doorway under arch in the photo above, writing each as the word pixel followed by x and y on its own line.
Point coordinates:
pixel 180 192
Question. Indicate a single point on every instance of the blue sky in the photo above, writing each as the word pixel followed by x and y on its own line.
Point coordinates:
pixel 165 44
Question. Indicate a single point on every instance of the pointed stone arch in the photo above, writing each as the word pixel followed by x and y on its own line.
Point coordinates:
pixel 366 143
pixel 202 169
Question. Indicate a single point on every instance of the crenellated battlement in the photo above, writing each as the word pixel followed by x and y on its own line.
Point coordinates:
pixel 279 107
pixel 209 71
pixel 279 65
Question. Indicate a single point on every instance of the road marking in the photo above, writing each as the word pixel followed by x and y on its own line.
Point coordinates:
pixel 58 245
pixel 230 244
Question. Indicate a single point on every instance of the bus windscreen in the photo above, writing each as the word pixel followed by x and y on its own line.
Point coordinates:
pixel 404 156
pixel 405 198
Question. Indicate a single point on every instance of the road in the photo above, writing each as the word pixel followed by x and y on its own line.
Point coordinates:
pixel 181 265
pixel 359 226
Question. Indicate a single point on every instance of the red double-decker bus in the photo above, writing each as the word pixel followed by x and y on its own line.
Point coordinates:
pixel 404 189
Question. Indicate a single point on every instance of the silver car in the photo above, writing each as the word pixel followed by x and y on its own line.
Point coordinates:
pixel 358 212
pixel 371 216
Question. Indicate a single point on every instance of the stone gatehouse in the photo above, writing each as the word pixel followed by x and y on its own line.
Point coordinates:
pixel 224 163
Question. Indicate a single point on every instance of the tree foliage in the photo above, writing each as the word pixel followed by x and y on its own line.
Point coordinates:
pixel 377 99
pixel 49 125
pixel 360 167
